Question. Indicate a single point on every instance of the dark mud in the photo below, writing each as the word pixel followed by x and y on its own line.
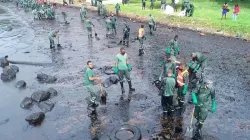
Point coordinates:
pixel 228 67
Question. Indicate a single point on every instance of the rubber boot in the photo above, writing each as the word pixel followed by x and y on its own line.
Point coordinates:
pixel 120 43
pixel 51 47
pixel 127 43
pixel 198 133
pixel 165 114
pixel 171 111
pixel 123 91
pixel 95 105
pixel 130 86
pixel 140 52
pixel 90 107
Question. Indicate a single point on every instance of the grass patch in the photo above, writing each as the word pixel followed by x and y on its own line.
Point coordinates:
pixel 207 16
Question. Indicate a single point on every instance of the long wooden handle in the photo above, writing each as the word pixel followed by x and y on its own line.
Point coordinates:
pixel 101 88
pixel 192 117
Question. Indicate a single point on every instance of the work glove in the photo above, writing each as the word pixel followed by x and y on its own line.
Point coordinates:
pixel 115 69
pixel 196 68
pixel 213 106
pixel 185 88
pixel 194 99
pixel 169 49
pixel 144 37
pixel 190 64
pixel 129 67
pixel 178 50
pixel 173 75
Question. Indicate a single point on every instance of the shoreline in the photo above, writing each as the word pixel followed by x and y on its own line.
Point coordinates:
pixel 141 19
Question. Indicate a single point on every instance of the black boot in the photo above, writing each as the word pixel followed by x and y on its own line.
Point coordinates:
pixel 198 133
pixel 140 52
pixel 120 42
pixel 90 107
pixel 51 47
pixel 123 91
pixel 165 114
pixel 130 86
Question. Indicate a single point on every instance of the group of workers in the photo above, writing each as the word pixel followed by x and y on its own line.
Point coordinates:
pixel 184 77
pixel 174 74
pixel 187 6
pixel 40 9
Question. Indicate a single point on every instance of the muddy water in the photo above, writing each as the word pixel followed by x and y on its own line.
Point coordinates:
pixel 227 66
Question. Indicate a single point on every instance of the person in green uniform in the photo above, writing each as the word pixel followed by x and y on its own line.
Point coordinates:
pixel 89 82
pixel 123 68
pixel 188 9
pixel 52 35
pixel 191 12
pixel 141 36
pixel 89 25
pixel 201 61
pixel 83 13
pixel 151 23
pixel 95 3
pixel 168 65
pixel 168 86
pixel 152 4
pixel 202 97
pixel 126 32
pixel 70 1
pixel 65 17
pixel 117 9
pixel 104 11
pixel 99 7
pixel 143 4
pixel 173 47
pixel 113 23
pixel 182 83
pixel 108 26
pixel 184 4
pixel 51 14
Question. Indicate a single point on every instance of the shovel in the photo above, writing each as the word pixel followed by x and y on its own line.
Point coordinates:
pixel 103 96
pixel 95 33
pixel 96 37
pixel 190 130
pixel 58 45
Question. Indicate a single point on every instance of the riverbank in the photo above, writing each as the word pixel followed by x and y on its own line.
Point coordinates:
pixel 228 67
pixel 206 19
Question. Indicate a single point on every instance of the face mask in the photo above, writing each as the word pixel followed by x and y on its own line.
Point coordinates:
pixel 122 53
pixel 194 58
